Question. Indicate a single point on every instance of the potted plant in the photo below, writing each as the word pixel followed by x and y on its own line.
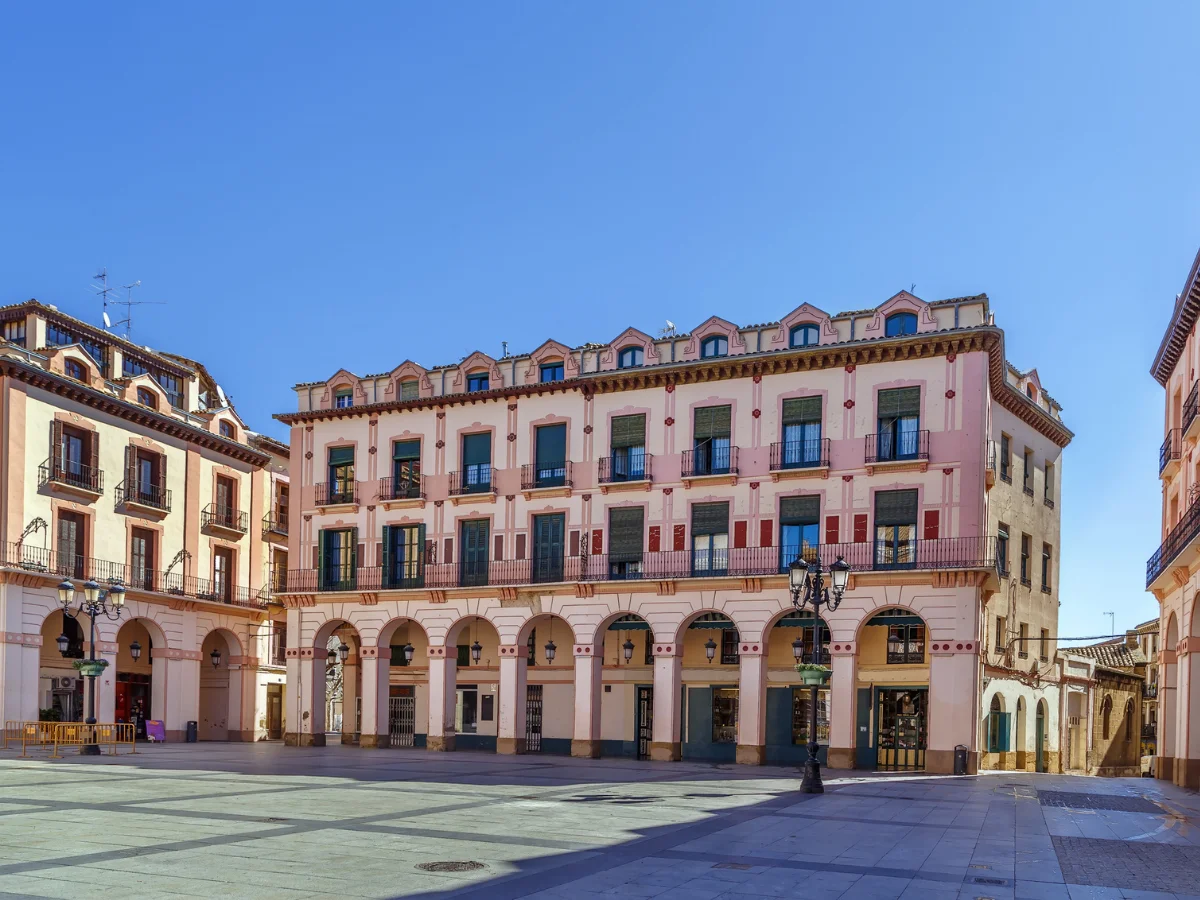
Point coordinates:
pixel 812 673
pixel 90 667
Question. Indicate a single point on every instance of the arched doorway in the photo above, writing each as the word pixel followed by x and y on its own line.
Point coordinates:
pixel 402 702
pixel 549 684
pixel 60 689
pixel 997 737
pixel 1019 744
pixel 336 688
pixel 1076 730
pixel 138 692
pixel 788 700
pixel 1039 746
pixel 627 702
pixel 892 693
pixel 219 706
pixel 476 645
pixel 710 642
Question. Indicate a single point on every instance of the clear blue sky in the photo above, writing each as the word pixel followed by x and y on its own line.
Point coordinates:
pixel 310 188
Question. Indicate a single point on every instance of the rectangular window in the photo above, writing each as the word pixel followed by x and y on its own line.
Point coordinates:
pixel 799 529
pixel 403 556
pixel 343 398
pixel 463 655
pixel 550 456
pixel 1002 547
pixel 72 544
pixel 173 386
pixel 14 332
pixel 1023 642
pixel 1046 568
pixel 711 430
pixel 1048 487
pixel 551 372
pixel 895 529
pixel 1027 475
pixel 801 432
pixel 466 709
pixel 906 644
pixel 474 563
pixel 548 548
pixel 141 558
pixel 1006 458
pixel 1044 647
pixel 625 528
pixel 729 646
pixel 801 697
pixel 278 643
pixel 223 574
pixel 339 559
pixel 409 390
pixel 406 469
pixel 1001 634
pixel 477 462
pixel 628 448
pixel 225 502
pixel 724 715
pixel 478 382
pixel 341 475
pixel 1026 575
pixel 710 538
pixel 899 424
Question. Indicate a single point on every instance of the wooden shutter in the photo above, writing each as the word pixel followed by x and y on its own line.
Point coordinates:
pixel 319 554
pixel 628 431
pixel 680 537
pixel 798 410
pixel 521 545
pixel 800 510
pixel 739 533
pixel 162 478
pixel 131 485
pixel 832 530
pixel 385 555
pixel 379 553
pixel 766 533
pixel 55 446
pixel 477 449
pixel 409 390
pixel 551 445
pixel 498 547
pixel 710 518
pixel 406 450
pixel 339 456
pixel 860 528
pixel 597 542
pixel 900 402
pixel 625 529
pixel 573 543
pixel 654 538
pixel 896 508
pixel 93 442
pixel 423 548
pixel 932 523
pixel 448 550
pixel 712 422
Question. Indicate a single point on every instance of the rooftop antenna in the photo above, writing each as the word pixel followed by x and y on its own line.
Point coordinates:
pixel 104 290
pixel 1112 622
pixel 669 331
pixel 913 289
pixel 504 347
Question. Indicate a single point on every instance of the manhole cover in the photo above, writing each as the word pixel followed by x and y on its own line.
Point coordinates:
pixel 742 867
pixel 451 866
pixel 272 820
pixel 980 879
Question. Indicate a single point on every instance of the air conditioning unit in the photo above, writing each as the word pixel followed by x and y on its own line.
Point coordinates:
pixel 65 683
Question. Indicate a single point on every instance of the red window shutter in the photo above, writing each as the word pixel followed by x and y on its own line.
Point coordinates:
pixel 655 538
pixel 574 543
pixel 448 550
pixel 316 551
pixel 361 559
pixel 739 533
pixel 766 533
pixel 379 553
pixel 832 532
pixel 932 521
pixel 680 537
pixel 498 547
pixel 860 528
pixel 521 546
pixel 597 542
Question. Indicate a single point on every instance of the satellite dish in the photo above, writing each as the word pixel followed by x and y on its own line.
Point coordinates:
pixel 670 324
pixel 107 321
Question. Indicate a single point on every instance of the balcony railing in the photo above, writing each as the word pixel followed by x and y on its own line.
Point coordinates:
pixel 897 446
pixel 939 554
pixel 214 516
pixel 1180 536
pixel 1189 406
pixel 476 479
pixel 1149 690
pixel 71 474
pixel 546 475
pixel 275 522
pixel 151 495
pixel 332 493
pixel 712 459
pixel 410 487
pixel 107 572
pixel 1169 450
pixel 800 455
pixel 623 467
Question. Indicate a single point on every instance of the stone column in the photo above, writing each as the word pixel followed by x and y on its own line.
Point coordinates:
pixel 752 704
pixel 106 684
pixel 510 732
pixel 175 680
pixel 589 671
pixel 375 664
pixel 443 671
pixel 1167 711
pixel 350 723
pixel 306 697
pixel 240 724
pixel 843 735
pixel 20 664
pixel 668 676
pixel 953 700
pixel 1188 770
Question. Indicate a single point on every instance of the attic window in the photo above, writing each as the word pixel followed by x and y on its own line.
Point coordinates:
pixel 552 371
pixel 343 398
pixel 804 336
pixel 146 398
pixel 629 357
pixel 900 324
pixel 227 430
pixel 477 381
pixel 75 369
pixel 1029 391
pixel 717 345
pixel 409 390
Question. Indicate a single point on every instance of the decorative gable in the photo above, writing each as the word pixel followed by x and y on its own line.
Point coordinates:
pixel 477 362
pixel 341 380
pixel 711 326
pixel 630 337
pixel 551 351
pixel 901 302
pixel 805 314
pixel 407 371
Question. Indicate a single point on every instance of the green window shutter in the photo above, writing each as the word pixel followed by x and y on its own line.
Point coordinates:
pixel 899 403
pixel 322 538
pixel 477 449
pixel 712 422
pixel 625 530
pixel 464 655
pixel 801 410
pixel 406 450
pixel 800 510
pixel 896 508
pixel 420 550
pixel 353 551
pixel 551 444
pixel 628 431
pixel 386 562
pixel 340 456
pixel 409 390
pixel 710 518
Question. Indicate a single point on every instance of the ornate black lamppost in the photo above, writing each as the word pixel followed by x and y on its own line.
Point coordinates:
pixel 807 584
pixel 95 601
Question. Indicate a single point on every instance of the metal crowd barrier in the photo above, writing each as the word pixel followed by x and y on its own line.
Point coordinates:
pixel 52 735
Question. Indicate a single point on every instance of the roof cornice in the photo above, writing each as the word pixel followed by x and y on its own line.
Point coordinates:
pixel 1183 317
pixel 984 338
pixel 130 412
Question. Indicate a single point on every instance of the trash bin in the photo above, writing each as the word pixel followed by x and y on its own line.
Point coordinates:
pixel 193 731
pixel 960 758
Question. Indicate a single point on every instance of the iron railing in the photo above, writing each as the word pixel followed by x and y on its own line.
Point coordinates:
pixel 1180 537
pixel 330 493
pixel 1189 406
pixel 546 475
pixel 711 459
pixel 800 454
pixel 627 467
pixel 891 446
pixel 214 516
pixel 1169 449
pixel 869 556
pixel 475 479
pixel 408 487
pixel 275 522
pixel 1149 690
pixel 141 578
pixel 76 475
pixel 151 495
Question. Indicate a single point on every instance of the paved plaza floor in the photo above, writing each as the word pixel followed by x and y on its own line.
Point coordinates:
pixel 264 821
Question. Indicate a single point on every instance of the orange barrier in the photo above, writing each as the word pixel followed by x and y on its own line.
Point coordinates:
pixel 52 735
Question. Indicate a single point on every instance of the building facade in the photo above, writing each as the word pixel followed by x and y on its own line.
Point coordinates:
pixel 584 549
pixel 1111 711
pixel 127 465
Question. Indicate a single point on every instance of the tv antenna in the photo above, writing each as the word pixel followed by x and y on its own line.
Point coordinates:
pixel 669 331
pixel 1112 621
pixel 103 291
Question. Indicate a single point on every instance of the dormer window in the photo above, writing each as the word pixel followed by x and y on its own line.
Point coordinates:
pixel 343 398
pixel 551 372
pixel 1029 391
pixel 804 336
pixel 147 398
pixel 478 381
pixel 75 369
pixel 717 345
pixel 629 357
pixel 228 431
pixel 409 390
pixel 900 324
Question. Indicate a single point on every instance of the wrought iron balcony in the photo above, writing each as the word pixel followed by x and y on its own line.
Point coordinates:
pixel 276 522
pixel 1169 451
pixel 476 479
pixel 223 517
pixel 148 495
pixel 1149 690
pixel 409 487
pixel 901 446
pixel 68 474
pixel 813 454
pixel 334 493
pixel 712 459
pixel 623 467
pixel 546 475
pixel 1189 407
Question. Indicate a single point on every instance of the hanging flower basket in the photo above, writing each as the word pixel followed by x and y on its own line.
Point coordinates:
pixel 90 667
pixel 814 674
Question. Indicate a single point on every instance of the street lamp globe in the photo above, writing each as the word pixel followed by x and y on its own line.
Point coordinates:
pixel 710 649
pixel 798 650
pixel 215 656
pixel 66 592
pixel 116 594
pixel 797 574
pixel 839 573
pixel 135 650
pixel 476 651
pixel 551 650
pixel 64 642
pixel 91 591
pixel 627 647
pixel 408 653
pixel 343 652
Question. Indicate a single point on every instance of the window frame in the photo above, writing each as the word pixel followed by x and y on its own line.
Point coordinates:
pixel 633 351
pixel 345 394
pixel 805 328
pixel 557 370
pixel 714 341
pixel 75 370
pixel 478 381
pixel 903 319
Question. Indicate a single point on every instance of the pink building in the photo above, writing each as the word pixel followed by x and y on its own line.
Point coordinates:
pixel 584 549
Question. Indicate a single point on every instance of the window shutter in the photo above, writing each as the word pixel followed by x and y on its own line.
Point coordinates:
pixel 358 555
pixel 406 450
pixel 130 471
pixel 477 449
pixel 319 553
pixel 551 441
pixel 597 542
pixel 421 546
pixel 448 550
pixel 896 508
pixel 800 510
pixel 739 533
pixel 409 390
pixel 679 536
pixel 625 529
pixel 712 422
pixel 162 477
pixel 94 452
pixel 574 543
pixel 498 547
pixel 932 522
pixel 766 533
pixel 339 456
pixel 379 553
pixel 521 546
pixel 710 518
pixel 55 445
pixel 385 555
pixel 832 530
pixel 899 403
pixel 860 528
pixel 798 410
pixel 628 431
pixel 654 538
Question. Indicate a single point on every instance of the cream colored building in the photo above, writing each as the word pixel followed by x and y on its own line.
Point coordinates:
pixel 125 464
